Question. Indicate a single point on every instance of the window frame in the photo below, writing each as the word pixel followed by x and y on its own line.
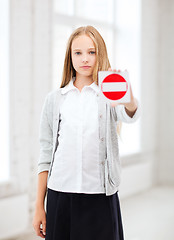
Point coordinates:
pixel 72 21
pixel 4 84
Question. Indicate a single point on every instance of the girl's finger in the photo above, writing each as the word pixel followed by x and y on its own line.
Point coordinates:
pixel 41 234
pixel 38 231
pixel 44 228
pixel 109 69
pixel 119 70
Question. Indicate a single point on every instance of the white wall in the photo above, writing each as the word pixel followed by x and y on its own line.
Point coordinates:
pixel 166 92
pixel 30 80
pixel 31 76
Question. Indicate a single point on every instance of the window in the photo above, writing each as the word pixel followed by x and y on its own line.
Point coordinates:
pixel 128 54
pixel 4 91
pixel 118 21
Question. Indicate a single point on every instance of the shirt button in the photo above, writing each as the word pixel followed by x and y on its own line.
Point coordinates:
pixel 102 139
pixel 101 116
pixel 103 162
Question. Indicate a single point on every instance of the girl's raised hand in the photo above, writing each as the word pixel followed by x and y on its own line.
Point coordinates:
pixel 132 105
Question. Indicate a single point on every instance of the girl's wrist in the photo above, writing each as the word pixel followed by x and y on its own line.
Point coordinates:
pixel 131 106
pixel 39 204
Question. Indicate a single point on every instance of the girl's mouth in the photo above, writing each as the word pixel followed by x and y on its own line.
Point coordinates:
pixel 85 67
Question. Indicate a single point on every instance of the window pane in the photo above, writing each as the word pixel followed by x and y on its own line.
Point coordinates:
pixel 60 39
pixel 99 10
pixel 107 35
pixel 123 44
pixel 130 138
pixel 64 6
pixel 127 12
pixel 4 91
pixel 128 57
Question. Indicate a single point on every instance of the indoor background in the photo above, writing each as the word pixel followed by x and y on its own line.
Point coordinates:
pixel 139 35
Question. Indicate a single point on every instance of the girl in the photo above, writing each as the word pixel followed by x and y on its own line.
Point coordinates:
pixel 79 166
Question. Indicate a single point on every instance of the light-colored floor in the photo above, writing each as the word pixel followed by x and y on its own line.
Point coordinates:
pixel 146 216
pixel 149 215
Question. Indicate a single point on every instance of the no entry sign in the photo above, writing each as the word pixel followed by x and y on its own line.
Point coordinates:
pixel 115 86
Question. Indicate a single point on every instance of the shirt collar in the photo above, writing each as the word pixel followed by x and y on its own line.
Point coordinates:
pixel 70 86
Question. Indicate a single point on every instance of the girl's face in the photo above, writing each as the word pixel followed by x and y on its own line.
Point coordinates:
pixel 83 54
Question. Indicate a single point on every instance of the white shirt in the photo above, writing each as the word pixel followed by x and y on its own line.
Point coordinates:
pixel 76 163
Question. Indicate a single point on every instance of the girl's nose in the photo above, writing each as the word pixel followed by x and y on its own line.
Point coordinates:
pixel 85 58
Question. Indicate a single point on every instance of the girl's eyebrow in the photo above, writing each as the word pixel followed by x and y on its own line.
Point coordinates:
pixel 77 49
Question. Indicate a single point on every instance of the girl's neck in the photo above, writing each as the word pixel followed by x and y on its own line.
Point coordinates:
pixel 81 81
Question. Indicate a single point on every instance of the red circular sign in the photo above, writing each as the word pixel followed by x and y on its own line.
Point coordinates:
pixel 114 86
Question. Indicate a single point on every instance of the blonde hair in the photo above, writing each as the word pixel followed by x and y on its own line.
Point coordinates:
pixel 102 60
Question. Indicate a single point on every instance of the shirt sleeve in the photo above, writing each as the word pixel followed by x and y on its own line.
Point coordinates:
pixel 45 139
pixel 121 115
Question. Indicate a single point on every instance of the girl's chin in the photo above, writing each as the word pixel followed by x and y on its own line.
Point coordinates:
pixel 83 74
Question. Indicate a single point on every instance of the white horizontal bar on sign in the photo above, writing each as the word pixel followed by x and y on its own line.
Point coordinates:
pixel 114 87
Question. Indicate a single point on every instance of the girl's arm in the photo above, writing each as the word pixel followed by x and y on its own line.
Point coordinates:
pixel 46 146
pixel 45 136
pixel 131 109
pixel 41 189
pixel 40 215
pixel 126 112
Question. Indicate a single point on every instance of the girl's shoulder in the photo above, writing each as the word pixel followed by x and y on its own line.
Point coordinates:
pixel 54 92
pixel 53 95
pixel 52 101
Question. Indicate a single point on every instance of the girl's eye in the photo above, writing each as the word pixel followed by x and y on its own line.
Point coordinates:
pixel 92 52
pixel 77 53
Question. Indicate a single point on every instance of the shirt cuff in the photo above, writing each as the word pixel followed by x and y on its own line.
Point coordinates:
pixel 124 117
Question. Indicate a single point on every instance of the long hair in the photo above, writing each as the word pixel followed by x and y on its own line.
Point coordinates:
pixel 102 60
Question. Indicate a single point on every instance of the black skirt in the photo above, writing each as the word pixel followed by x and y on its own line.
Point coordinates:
pixel 81 216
